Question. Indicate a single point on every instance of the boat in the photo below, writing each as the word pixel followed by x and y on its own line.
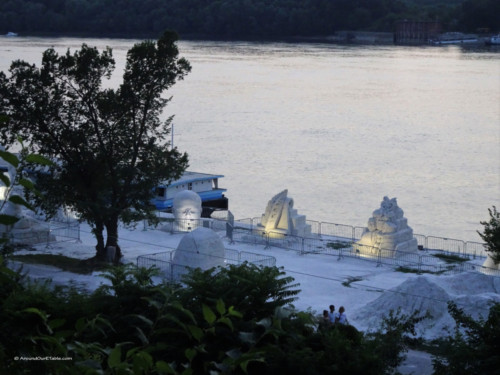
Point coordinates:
pixel 10 33
pixel 205 185
pixel 493 41
pixel 454 38
pixel 453 41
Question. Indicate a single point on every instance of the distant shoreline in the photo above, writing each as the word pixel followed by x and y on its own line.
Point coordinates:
pixel 346 37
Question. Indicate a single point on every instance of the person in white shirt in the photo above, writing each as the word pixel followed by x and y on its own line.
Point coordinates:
pixel 332 314
pixel 342 317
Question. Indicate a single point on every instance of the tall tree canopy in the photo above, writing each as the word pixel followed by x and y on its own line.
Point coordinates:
pixel 110 145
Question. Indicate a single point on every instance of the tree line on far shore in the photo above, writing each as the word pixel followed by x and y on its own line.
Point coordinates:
pixel 227 19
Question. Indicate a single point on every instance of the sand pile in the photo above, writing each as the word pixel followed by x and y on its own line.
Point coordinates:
pixel 416 294
pixel 472 292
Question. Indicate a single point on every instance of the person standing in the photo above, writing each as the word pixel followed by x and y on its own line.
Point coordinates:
pixel 332 314
pixel 342 317
pixel 325 322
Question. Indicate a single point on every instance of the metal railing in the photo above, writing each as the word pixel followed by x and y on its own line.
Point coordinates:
pixel 172 271
pixel 172 225
pixel 46 232
pixel 348 233
pixel 338 239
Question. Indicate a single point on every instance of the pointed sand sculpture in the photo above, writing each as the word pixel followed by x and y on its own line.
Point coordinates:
pixel 280 218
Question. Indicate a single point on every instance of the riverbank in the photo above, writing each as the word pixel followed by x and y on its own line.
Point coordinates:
pixel 343 37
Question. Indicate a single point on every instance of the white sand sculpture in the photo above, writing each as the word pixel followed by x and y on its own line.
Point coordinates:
pixel 388 233
pixel 27 230
pixel 489 266
pixel 187 211
pixel 201 248
pixel 280 218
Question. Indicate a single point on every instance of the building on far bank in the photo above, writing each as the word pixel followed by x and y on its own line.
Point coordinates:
pixel 416 32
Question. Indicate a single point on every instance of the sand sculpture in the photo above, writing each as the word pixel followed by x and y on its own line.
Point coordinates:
pixel 280 218
pixel 388 233
pixel 27 230
pixel 201 248
pixel 490 267
pixel 187 211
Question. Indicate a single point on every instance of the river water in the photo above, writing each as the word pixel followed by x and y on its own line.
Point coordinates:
pixel 340 127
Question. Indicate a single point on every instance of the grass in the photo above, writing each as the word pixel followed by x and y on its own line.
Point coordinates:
pixel 83 267
pixel 419 272
pixel 451 258
pixel 350 280
pixel 338 245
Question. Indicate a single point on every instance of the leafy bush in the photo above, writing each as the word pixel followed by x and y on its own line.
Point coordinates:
pixel 238 320
pixel 474 348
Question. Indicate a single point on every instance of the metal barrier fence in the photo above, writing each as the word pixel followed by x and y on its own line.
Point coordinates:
pixel 172 225
pixel 171 271
pixel 348 233
pixel 65 231
pixel 425 260
pixel 47 232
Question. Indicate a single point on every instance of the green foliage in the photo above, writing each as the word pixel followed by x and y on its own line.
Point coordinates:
pixel 134 327
pixel 18 165
pixel 110 145
pixel 480 14
pixel 350 280
pixel 474 349
pixel 60 261
pixel 450 258
pixel 406 269
pixel 397 331
pixel 238 18
pixel 338 245
pixel 255 291
pixel 16 176
pixel 491 234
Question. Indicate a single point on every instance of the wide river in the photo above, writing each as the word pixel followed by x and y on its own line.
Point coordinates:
pixel 340 127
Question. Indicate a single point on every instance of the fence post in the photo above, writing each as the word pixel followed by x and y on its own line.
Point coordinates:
pixel 48 237
pixel 379 257
pixel 78 239
pixel 341 256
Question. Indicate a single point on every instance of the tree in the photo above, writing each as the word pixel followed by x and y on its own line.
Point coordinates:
pixel 474 347
pixel 109 145
pixel 491 234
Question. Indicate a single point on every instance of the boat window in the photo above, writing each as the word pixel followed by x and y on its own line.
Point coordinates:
pixel 160 191
pixel 190 186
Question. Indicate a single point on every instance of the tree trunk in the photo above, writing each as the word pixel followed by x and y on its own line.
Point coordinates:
pixel 99 235
pixel 112 238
